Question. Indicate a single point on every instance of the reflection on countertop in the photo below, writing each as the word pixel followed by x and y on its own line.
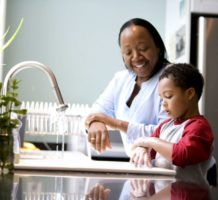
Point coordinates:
pixel 75 186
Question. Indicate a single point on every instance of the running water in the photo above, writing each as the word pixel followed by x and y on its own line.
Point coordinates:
pixel 59 120
pixel 69 130
pixel 57 130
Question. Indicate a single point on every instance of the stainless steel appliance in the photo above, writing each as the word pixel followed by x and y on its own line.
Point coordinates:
pixel 204 54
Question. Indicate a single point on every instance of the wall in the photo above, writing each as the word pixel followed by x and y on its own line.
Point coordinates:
pixel 77 39
pixel 2 23
pixel 177 30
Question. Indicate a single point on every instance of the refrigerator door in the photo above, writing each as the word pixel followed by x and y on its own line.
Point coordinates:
pixel 207 60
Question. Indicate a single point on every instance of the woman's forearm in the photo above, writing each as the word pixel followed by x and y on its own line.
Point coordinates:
pixel 113 123
pixel 121 125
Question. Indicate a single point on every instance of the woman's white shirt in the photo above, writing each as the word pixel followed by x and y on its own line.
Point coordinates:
pixel 145 111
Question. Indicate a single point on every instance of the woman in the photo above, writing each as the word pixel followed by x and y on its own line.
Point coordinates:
pixel 132 94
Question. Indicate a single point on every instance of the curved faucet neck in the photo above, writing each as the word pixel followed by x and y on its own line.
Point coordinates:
pixel 33 64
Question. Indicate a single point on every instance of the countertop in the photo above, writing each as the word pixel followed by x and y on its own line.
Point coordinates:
pixel 44 175
pixel 50 185
pixel 77 161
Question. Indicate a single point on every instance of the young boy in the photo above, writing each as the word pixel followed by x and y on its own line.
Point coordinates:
pixel 183 142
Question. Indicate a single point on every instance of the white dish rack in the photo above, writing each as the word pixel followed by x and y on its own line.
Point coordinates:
pixel 42 118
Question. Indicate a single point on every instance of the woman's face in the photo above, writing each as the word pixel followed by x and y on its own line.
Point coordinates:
pixel 139 51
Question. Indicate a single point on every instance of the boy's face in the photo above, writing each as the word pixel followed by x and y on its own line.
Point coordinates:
pixel 176 101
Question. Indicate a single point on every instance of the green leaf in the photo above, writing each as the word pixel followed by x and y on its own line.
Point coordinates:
pixel 10 104
pixel 9 99
pixel 4 35
pixel 12 37
pixel 20 112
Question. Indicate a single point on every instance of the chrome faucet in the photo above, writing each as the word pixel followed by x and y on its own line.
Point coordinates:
pixel 33 64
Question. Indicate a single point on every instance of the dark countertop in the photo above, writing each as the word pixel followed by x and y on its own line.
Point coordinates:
pixel 40 185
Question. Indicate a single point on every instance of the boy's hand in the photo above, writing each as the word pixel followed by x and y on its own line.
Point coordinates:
pixel 141 157
pixel 98 192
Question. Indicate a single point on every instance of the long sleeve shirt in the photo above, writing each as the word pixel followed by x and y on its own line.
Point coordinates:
pixel 145 111
pixel 192 147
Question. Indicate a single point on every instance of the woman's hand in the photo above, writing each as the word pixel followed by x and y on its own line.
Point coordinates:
pixel 98 136
pixel 98 192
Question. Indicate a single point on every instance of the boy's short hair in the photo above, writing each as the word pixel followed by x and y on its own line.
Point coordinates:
pixel 185 76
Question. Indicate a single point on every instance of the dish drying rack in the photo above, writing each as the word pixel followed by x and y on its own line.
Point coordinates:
pixel 60 188
pixel 67 127
pixel 53 196
pixel 42 118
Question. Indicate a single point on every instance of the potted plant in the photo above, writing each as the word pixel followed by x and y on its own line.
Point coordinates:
pixel 8 113
pixel 9 124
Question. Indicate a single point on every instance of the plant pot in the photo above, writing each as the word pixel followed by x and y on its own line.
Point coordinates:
pixel 6 185
pixel 6 151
